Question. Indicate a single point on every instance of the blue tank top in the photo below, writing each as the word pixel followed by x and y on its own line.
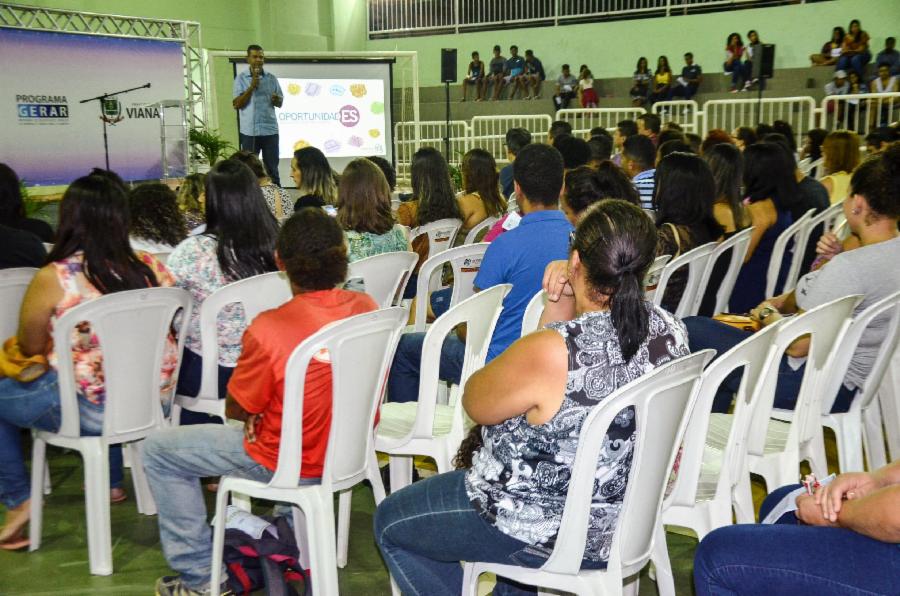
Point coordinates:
pixel 750 288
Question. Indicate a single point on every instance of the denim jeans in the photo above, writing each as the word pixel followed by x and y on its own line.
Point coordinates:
pixel 424 530
pixel 440 301
pixel 35 405
pixel 856 62
pixel 175 459
pixel 791 558
pixel 403 381
pixel 708 333
pixel 268 144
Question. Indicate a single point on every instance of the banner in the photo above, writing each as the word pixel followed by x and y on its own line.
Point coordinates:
pixel 48 137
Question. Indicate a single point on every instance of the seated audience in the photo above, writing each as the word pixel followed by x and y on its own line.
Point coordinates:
pixel 614 183
pixel 714 137
pixel 600 328
pixel 683 202
pixel 313 178
pixel 586 93
pixel 638 159
pixel 855 52
pixel 586 185
pixel 695 141
pixel 19 248
pixel 872 211
pixel 889 56
pixel 364 212
pixel 831 51
pixel 640 90
pixel 481 191
pixel 811 194
pixel 575 151
pixel 157 225
pixel 239 242
pixel 649 125
pixel 474 76
pixel 856 107
pixel 558 128
pixel 734 54
pixel 691 76
pixel 841 153
pixel 566 89
pixel 517 257
pixel 876 142
pixel 390 174
pixel 497 65
pixel 662 82
pixel 601 146
pixel 190 201
pixel 516 138
pixel 784 128
pixel 812 149
pixel 837 86
pixel 90 258
pixel 513 73
pixel 624 129
pixel 885 82
pixel 843 538
pixel 177 458
pixel 669 134
pixel 12 207
pixel 753 45
pixel 534 75
pixel 673 146
pixel 744 136
pixel 278 199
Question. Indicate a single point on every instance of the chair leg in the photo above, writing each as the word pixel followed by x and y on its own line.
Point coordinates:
pixel 218 547
pixel 39 471
pixel 343 532
pixel 96 491
pixel 742 500
pixel 145 503
pixel 849 443
pixel 873 436
pixel 241 501
pixel 320 534
pixel 175 415
pixel 373 473
pixel 48 486
pixel 301 534
pixel 401 471
pixel 470 580
pixel 665 582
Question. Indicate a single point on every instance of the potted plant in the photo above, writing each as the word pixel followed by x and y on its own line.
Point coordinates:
pixel 33 207
pixel 208 144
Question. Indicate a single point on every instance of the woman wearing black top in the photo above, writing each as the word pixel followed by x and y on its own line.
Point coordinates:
pixel 12 208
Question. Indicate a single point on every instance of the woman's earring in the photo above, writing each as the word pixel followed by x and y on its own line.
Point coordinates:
pixel 856 212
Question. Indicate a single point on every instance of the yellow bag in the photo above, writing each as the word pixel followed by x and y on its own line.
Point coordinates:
pixel 742 322
pixel 15 365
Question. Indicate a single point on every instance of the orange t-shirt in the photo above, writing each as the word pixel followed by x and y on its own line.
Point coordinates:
pixel 258 381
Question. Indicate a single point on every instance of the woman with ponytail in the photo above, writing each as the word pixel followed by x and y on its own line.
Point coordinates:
pixel 531 401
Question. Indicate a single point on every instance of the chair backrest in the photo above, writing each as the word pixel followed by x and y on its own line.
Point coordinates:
pixel 695 260
pixel 653 274
pixel 662 402
pixel 132 328
pixel 888 310
pixel 255 294
pixel 532 317
pixel 465 261
pixel 750 355
pixel 13 283
pixel 480 229
pixel 441 234
pixel 826 326
pixel 738 245
pixel 384 275
pixel 360 350
pixel 479 313
pixel 162 257
pixel 796 235
pixel 807 165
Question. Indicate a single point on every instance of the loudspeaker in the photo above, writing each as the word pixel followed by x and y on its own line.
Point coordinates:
pixel 448 65
pixel 763 61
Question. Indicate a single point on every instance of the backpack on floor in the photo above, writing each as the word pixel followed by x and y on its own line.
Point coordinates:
pixel 268 562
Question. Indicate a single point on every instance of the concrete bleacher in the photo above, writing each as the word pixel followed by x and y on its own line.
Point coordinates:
pixel 613 93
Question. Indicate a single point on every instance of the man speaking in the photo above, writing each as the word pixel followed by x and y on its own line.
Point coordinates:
pixel 256 95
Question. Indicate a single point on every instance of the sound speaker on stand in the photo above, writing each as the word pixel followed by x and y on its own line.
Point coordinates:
pixel 448 75
pixel 763 68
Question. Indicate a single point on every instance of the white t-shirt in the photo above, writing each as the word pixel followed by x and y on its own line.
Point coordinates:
pixel 586 84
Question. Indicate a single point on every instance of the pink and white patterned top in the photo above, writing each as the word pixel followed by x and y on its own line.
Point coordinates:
pixel 86 350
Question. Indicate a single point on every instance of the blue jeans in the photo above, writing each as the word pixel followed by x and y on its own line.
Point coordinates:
pixel 856 62
pixel 440 301
pixel 425 529
pixel 791 558
pixel 403 381
pixel 36 405
pixel 708 333
pixel 175 459
pixel 268 144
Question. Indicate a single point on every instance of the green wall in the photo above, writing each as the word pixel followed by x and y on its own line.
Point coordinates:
pixel 611 49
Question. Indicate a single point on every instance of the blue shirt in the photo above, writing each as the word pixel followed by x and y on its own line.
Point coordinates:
pixel 515 65
pixel 257 118
pixel 644 184
pixel 519 257
pixel 507 183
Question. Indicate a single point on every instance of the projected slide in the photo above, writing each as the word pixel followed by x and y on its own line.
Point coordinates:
pixel 342 117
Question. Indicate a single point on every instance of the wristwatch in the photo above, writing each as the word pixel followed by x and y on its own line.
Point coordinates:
pixel 765 312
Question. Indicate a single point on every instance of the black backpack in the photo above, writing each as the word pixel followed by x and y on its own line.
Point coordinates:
pixel 269 562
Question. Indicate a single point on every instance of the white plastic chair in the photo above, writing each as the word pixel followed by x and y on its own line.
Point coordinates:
pixel 695 260
pixel 796 234
pixel 711 481
pixel 862 424
pixel 256 294
pixel 531 320
pixel 653 274
pixel 465 261
pixel 162 257
pixel 384 275
pixel 13 283
pixel 361 349
pixel 775 448
pixel 132 328
pixel 738 244
pixel 484 226
pixel 662 400
pixel 807 165
pixel 889 402
pixel 425 427
pixel 441 234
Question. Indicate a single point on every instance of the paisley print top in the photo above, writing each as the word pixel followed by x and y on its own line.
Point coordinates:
pixel 520 477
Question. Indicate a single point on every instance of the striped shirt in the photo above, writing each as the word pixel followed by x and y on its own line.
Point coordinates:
pixel 644 184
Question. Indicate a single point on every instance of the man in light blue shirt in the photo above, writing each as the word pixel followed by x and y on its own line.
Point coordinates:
pixel 256 95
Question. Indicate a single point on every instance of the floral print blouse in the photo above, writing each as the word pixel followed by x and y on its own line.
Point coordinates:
pixel 272 193
pixel 86 349
pixel 365 244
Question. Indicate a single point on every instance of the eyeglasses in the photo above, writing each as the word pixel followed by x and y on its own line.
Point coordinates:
pixel 571 239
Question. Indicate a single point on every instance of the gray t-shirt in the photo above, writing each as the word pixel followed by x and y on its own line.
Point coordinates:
pixel 871 271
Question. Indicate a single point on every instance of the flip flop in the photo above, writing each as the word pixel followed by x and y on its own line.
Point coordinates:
pixel 117 497
pixel 17 542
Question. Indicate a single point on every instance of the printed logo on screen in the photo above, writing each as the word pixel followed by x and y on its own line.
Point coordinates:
pixel 349 116
pixel 42 109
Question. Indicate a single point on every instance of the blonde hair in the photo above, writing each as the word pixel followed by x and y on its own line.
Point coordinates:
pixel 364 198
pixel 841 151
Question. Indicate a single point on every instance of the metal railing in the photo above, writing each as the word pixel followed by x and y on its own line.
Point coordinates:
pixel 409 137
pixel 489 132
pixel 728 114
pixel 683 112
pixel 584 119
pixel 860 112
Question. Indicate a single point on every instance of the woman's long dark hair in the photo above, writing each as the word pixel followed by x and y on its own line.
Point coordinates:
pixel 431 186
pixel 238 218
pixel 12 209
pixel 839 33
pixel 155 215
pixel 638 68
pixel 665 65
pixel 94 218
pixel 684 196
pixel 740 42
pixel 480 175
pixel 769 174
pixel 727 165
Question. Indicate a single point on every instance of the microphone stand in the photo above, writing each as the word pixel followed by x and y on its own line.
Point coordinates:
pixel 100 99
